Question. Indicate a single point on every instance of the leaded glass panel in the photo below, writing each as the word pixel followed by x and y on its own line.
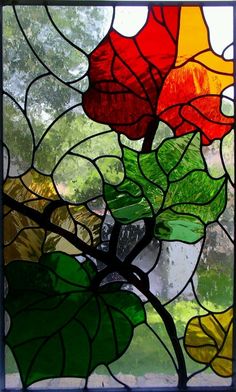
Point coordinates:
pixel 118 192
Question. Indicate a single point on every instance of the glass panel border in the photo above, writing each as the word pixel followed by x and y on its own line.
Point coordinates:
pixel 83 3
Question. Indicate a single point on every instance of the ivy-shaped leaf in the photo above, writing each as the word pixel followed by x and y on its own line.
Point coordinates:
pixel 60 325
pixel 208 340
pixel 141 193
pixel 171 185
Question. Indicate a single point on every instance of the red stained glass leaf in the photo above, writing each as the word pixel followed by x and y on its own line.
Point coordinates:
pixel 127 73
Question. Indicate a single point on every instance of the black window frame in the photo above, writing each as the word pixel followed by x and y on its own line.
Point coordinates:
pixel 68 3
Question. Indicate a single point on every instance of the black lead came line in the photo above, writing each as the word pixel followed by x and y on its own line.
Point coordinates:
pixel 36 55
pixel 63 36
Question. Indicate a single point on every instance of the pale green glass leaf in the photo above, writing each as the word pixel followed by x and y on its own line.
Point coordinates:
pixel 20 64
pixel 98 145
pixel 171 226
pixel 84 26
pixel 111 169
pixel 69 130
pixel 47 99
pixel 77 179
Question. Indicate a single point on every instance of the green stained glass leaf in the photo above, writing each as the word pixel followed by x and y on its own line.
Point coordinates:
pixel 125 207
pixel 141 193
pixel 171 226
pixel 197 188
pixel 178 156
pixel 208 212
pixel 169 183
pixel 191 202
pixel 129 187
pixel 60 327
pixel 152 170
pixel 152 191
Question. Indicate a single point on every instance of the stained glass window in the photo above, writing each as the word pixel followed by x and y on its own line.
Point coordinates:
pixel 118 195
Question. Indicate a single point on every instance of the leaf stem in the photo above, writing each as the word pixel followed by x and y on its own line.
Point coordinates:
pixel 150 134
pixel 169 325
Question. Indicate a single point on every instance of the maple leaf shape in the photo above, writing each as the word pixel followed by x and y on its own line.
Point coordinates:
pixel 127 73
pixel 167 72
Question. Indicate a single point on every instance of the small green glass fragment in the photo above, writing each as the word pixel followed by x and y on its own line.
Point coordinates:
pixel 126 208
pixel 130 187
pixel 171 226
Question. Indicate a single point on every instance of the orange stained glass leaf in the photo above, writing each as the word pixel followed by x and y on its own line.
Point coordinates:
pixel 193 35
pixel 193 42
pixel 208 340
pixel 215 63
pixel 198 73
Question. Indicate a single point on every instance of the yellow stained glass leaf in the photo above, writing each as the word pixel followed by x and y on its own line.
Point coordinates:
pixel 54 242
pixel 79 220
pixel 15 188
pixel 87 219
pixel 61 217
pixel 208 340
pixel 24 239
pixel 14 222
pixel 193 42
pixel 40 184
pixel 26 246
